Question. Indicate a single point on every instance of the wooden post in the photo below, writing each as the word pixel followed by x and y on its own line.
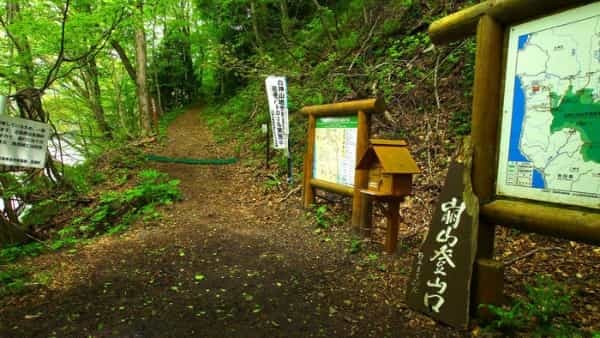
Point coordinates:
pixel 485 119
pixel 361 177
pixel 393 219
pixel 489 273
pixel 309 193
pixel 366 215
pixel 486 112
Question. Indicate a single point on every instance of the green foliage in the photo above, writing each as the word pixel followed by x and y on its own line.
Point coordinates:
pixel 12 253
pixel 40 213
pixel 115 211
pixel 508 319
pixel 320 215
pixel 543 311
pixel 355 245
pixel 12 281
pixel 460 123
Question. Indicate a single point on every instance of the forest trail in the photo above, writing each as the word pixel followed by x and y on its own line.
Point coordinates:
pixel 227 261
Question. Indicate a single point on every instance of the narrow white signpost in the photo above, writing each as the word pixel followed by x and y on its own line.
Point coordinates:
pixel 23 142
pixel 277 96
pixel 278 109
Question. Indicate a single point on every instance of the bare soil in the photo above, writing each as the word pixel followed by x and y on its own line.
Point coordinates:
pixel 230 260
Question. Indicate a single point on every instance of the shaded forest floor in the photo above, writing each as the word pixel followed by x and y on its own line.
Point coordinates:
pixel 233 260
pixel 229 260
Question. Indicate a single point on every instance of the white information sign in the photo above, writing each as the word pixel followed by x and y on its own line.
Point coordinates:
pixel 23 142
pixel 278 109
pixel 550 134
pixel 335 149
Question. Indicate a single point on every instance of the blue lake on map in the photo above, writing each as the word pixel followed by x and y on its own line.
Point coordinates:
pixel 518 115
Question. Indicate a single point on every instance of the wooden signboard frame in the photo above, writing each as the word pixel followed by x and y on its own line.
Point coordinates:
pixel 361 108
pixel 491 21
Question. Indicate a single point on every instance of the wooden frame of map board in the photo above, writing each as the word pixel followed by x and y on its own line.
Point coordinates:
pixel 492 21
pixel 339 116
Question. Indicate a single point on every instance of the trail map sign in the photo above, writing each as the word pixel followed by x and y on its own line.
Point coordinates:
pixel 335 149
pixel 535 126
pixel 23 142
pixel 337 135
pixel 550 131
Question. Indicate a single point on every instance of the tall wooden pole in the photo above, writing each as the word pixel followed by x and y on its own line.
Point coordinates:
pixel 361 177
pixel 309 193
pixel 485 117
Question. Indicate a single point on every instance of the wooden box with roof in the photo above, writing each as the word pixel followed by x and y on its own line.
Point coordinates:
pixel 390 167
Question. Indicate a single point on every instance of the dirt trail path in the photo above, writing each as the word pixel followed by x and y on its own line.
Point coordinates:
pixel 228 261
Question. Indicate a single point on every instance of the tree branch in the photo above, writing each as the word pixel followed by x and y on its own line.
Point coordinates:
pixel 124 59
pixel 94 49
pixel 61 54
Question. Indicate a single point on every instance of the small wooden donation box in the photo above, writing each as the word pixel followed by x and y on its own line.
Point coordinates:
pixel 391 168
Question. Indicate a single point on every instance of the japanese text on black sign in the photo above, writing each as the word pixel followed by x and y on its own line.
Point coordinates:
pixel 452 211
pixel 277 96
pixel 23 142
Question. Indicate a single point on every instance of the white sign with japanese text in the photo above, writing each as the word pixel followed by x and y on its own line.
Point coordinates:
pixel 23 142
pixel 278 109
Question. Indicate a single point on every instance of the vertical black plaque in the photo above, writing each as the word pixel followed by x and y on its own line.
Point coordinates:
pixel 441 276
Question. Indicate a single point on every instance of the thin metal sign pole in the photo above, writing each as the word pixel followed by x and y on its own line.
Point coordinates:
pixel 290 179
pixel 267 146
pixel 3 100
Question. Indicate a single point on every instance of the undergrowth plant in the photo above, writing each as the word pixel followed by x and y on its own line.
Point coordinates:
pixel 113 213
pixel 12 280
pixel 543 311
pixel 321 218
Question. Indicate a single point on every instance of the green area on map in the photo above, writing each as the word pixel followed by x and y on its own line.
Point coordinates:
pixel 578 110
pixel 338 122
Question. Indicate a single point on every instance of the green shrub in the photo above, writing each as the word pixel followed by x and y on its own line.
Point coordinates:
pixel 543 311
pixel 12 253
pixel 115 211
pixel 355 245
pixel 12 281
pixel 460 123
pixel 320 215
pixel 40 213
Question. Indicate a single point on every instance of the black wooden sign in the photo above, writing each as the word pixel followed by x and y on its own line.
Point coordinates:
pixel 441 277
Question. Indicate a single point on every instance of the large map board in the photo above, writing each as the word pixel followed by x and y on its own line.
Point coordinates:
pixel 335 149
pixel 550 129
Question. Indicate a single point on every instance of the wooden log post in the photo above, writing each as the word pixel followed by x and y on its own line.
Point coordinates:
pixel 393 222
pixel 488 273
pixel 485 117
pixel 366 215
pixel 308 191
pixel 361 177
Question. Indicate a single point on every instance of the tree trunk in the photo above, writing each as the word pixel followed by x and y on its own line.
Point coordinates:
pixel 285 18
pixel 90 76
pixel 22 45
pixel 10 232
pixel 142 87
pixel 155 70
pixel 255 29
pixel 124 59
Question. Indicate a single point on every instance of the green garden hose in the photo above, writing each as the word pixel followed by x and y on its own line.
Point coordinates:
pixel 197 161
